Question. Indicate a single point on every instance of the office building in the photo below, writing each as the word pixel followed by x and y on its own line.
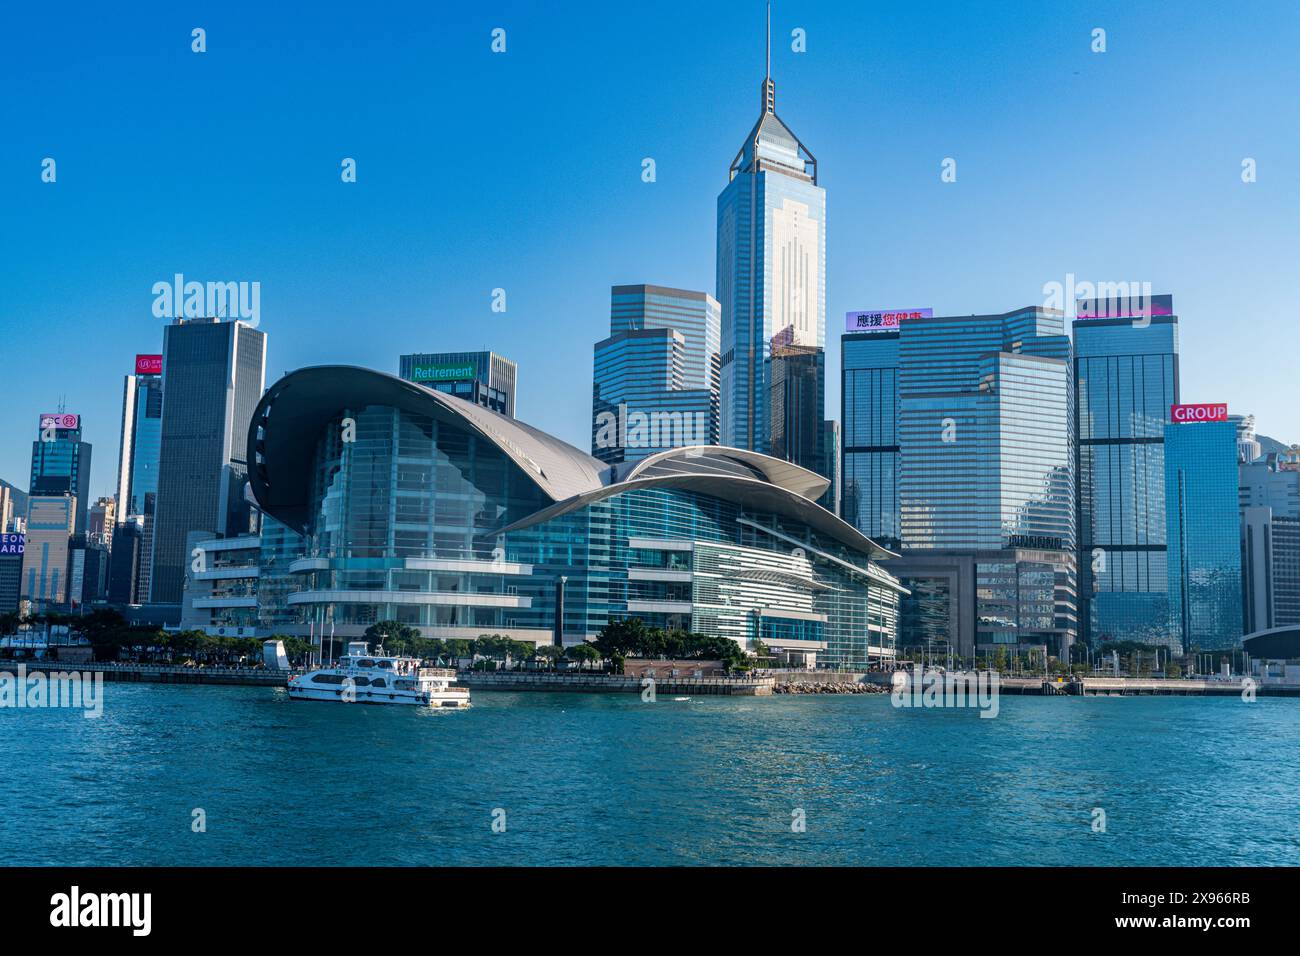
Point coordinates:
pixel 213 374
pixel 13 507
pixel 1203 526
pixel 771 269
pixel 869 415
pixel 484 378
pixel 958 453
pixel 486 519
pixel 61 462
pixel 1268 486
pixel 220 594
pixel 51 522
pixel 12 545
pixel 137 465
pixel 125 564
pixel 655 381
pixel 1126 380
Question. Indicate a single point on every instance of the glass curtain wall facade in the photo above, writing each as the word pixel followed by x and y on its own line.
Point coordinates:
pixel 61 464
pixel 213 373
pixel 137 486
pixel 655 381
pixel 958 453
pixel 406 524
pixel 869 413
pixel 771 268
pixel 1204 533
pixel 1126 379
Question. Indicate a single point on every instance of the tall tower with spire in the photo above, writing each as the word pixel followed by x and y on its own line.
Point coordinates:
pixel 771 272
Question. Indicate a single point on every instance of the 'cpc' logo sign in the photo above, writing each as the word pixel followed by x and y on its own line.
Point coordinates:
pixel 1198 413
pixel 148 365
pixel 60 420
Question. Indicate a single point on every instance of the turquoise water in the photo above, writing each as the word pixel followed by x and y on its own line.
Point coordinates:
pixel 608 779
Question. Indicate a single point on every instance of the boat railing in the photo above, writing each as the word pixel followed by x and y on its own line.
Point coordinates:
pixel 445 672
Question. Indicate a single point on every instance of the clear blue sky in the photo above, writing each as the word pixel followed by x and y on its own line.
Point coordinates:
pixel 522 171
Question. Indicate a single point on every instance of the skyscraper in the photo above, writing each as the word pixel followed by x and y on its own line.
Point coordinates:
pixel 1204 536
pixel 213 374
pixel 1268 488
pixel 137 467
pixel 655 378
pixel 50 523
pixel 869 415
pixel 957 450
pixel 483 378
pixel 1126 379
pixel 61 462
pixel 771 268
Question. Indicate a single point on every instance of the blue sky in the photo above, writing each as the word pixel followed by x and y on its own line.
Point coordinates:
pixel 522 171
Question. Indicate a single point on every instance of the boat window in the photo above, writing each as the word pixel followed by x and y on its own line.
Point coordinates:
pixel 378 682
pixel 388 665
pixel 361 681
pixel 364 662
pixel 327 678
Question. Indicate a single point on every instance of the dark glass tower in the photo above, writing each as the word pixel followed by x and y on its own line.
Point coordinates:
pixel 61 462
pixel 212 379
pixel 137 481
pixel 1126 379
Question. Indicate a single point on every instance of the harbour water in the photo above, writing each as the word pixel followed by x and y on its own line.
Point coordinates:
pixel 612 780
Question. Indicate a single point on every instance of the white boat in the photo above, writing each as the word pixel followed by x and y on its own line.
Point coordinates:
pixel 363 678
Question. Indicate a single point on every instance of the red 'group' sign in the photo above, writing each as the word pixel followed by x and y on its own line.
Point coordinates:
pixel 148 365
pixel 1199 413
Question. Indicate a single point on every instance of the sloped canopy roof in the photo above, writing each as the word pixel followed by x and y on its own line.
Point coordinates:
pixel 287 423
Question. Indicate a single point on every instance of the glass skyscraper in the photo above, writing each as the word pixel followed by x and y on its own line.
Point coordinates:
pixel 869 416
pixel 1126 379
pixel 771 269
pixel 137 482
pixel 213 374
pixel 61 462
pixel 958 452
pixel 655 381
pixel 1204 535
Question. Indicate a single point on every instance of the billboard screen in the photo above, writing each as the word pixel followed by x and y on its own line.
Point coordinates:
pixel 1136 306
pixel 148 365
pixel 60 420
pixel 1216 412
pixel 882 320
pixel 13 543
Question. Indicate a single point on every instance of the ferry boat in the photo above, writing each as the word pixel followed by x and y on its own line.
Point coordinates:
pixel 364 678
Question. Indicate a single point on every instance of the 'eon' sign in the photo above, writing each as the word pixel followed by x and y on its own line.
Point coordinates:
pixel 1198 413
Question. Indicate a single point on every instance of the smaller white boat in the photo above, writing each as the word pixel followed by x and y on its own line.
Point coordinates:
pixel 360 677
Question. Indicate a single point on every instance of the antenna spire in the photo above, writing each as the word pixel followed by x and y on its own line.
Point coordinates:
pixel 768 74
pixel 769 88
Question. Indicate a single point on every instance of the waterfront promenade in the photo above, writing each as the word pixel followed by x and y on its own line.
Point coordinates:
pixel 763 684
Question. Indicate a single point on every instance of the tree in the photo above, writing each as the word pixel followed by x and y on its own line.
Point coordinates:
pixel 584 654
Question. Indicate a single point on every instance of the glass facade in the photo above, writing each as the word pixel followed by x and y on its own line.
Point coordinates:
pixel 212 378
pixel 61 465
pixel 138 464
pixel 771 269
pixel 655 379
pixel 406 524
pixel 958 453
pixel 1126 379
pixel 1204 535
pixel 869 414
